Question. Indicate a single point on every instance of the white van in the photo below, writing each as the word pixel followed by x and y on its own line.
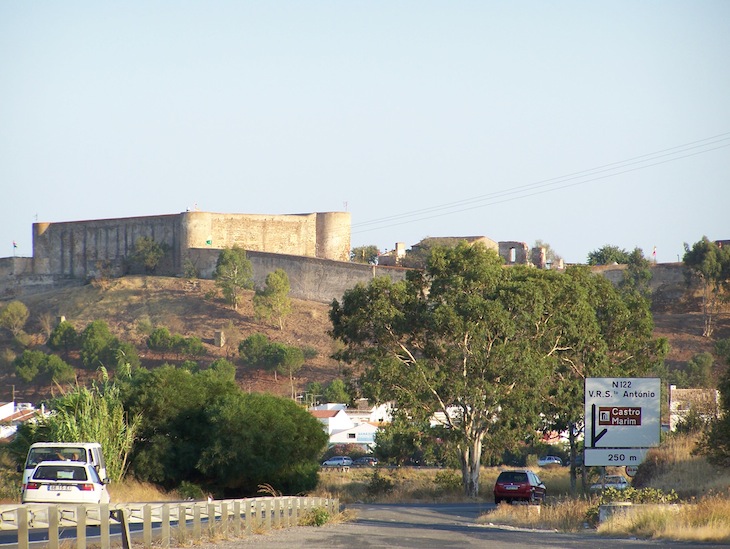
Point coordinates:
pixel 88 452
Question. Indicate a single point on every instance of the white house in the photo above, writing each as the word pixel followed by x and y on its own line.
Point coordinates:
pixel 334 421
pixel 362 434
pixel 704 402
pixel 352 425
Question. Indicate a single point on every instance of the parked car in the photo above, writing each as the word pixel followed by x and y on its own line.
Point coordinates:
pixel 338 461
pixel 611 481
pixel 550 460
pixel 522 485
pixel 365 461
pixel 89 452
pixel 64 482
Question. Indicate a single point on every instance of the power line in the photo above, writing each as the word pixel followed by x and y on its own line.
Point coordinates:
pixel 604 171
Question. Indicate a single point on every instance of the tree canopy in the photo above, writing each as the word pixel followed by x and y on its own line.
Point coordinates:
pixel 147 254
pixel 365 254
pixel 233 274
pixel 201 428
pixel 273 301
pixel 14 316
pixel 608 255
pixel 482 344
pixel 710 263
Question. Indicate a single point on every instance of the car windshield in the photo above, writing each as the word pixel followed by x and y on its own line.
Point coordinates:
pixel 59 472
pixel 58 453
pixel 512 476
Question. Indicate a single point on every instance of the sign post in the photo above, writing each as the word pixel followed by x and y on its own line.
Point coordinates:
pixel 622 418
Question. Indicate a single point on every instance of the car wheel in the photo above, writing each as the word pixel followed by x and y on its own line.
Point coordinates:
pixel 497 500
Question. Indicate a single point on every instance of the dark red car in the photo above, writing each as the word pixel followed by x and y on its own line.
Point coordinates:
pixel 520 485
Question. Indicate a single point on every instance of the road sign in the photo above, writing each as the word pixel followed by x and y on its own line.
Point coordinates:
pixel 614 457
pixel 622 412
pixel 631 470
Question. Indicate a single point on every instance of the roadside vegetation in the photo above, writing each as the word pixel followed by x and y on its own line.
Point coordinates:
pixel 700 492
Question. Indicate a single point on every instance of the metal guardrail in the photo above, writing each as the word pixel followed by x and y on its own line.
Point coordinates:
pixel 185 520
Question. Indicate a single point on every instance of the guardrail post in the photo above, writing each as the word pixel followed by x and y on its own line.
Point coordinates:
pixel 211 519
pixel 288 511
pixel 267 514
pixel 277 512
pixel 197 531
pixel 104 527
pixel 237 519
pixel 52 527
pixel 259 514
pixel 21 514
pixel 80 527
pixel 182 521
pixel 224 518
pixel 165 525
pixel 147 527
pixel 249 511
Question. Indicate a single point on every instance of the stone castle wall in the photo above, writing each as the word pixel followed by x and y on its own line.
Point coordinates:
pixel 78 249
pixel 311 278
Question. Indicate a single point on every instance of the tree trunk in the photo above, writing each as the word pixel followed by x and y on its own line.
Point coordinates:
pixel 571 439
pixel 471 454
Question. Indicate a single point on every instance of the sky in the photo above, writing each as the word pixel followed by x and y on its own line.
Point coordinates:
pixel 580 124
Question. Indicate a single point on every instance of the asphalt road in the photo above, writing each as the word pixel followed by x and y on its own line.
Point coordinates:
pixel 432 526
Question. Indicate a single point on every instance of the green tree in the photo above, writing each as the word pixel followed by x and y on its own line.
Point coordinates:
pixel 97 345
pixel 34 365
pixel 456 339
pixel 63 338
pixel 256 439
pixel 697 373
pixel 147 254
pixel 233 274
pixel 170 402
pixel 29 364
pixel 595 331
pixel 715 442
pixel 291 362
pixel 199 427
pixel 710 263
pixel 637 275
pixel 273 300
pixel 365 254
pixel 336 391
pixel 14 316
pixel 608 255
pixel 253 349
pixel 160 340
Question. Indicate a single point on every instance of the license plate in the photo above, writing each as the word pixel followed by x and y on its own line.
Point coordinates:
pixel 60 488
pixel 511 487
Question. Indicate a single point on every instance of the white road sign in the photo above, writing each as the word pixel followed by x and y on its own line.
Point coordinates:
pixel 614 457
pixel 622 413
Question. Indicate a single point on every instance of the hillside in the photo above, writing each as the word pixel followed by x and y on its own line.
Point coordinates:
pixel 193 308
pixel 187 307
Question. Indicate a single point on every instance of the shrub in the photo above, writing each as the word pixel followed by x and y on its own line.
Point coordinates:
pixel 188 490
pixel 317 516
pixel 631 495
pixel 379 485
pixel 448 481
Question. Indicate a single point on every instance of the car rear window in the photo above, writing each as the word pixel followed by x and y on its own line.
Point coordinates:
pixel 512 476
pixel 57 472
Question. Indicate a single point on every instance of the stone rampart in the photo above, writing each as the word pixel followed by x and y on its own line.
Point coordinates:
pixel 80 249
pixel 668 281
pixel 311 278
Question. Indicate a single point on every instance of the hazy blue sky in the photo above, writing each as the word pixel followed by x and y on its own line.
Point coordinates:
pixel 577 123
